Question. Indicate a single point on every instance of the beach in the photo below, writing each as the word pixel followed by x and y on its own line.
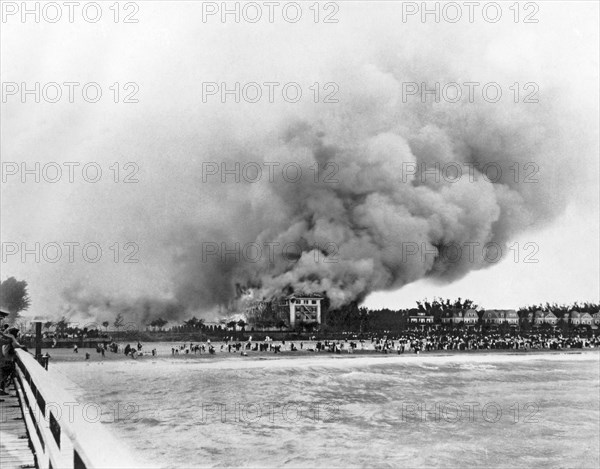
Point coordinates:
pixel 439 409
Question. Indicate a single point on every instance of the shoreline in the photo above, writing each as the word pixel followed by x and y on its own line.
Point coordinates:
pixel 304 359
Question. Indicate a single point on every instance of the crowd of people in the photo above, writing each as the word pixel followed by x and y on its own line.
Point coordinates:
pixel 418 342
pixel 129 350
pixel 413 342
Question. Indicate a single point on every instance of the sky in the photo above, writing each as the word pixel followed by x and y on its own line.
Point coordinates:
pixel 162 142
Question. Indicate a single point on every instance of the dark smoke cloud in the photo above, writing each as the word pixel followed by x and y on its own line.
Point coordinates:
pixel 377 208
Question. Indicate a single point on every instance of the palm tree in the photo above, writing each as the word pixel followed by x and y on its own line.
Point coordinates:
pixel 191 323
pixel 160 323
pixel 61 325
pixel 118 321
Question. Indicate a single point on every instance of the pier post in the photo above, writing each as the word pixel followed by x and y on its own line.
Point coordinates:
pixel 42 359
pixel 38 341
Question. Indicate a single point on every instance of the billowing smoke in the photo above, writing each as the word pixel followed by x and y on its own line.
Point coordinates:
pixel 405 191
pixel 91 308
pixel 392 189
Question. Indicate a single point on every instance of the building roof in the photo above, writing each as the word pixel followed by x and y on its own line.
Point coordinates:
pixel 500 313
pixel 310 296
pixel 547 314
pixel 40 319
pixel 420 314
pixel 3 313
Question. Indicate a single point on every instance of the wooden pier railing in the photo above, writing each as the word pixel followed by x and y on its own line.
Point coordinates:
pixel 60 435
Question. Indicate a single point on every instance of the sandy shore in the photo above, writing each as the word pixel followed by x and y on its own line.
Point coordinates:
pixel 305 359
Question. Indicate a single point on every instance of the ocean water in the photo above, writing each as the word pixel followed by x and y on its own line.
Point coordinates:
pixel 491 410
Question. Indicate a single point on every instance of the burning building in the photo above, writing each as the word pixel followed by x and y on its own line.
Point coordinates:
pixel 303 308
pixel 291 310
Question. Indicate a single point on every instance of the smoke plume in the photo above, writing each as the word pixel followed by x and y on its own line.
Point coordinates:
pixel 379 222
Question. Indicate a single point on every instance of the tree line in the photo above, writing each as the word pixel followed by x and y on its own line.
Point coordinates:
pixel 15 298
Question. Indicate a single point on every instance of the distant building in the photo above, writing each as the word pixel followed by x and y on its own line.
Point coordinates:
pixel 550 318
pixel 538 318
pixel 499 316
pixel 215 324
pixel 303 308
pixel 586 319
pixel 471 317
pixel 47 319
pixel 596 318
pixel 510 316
pixel 457 317
pixel 294 309
pixel 420 317
pixel 447 317
pixel 490 317
pixel 545 317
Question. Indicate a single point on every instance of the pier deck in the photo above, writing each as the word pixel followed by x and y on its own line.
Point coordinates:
pixel 15 451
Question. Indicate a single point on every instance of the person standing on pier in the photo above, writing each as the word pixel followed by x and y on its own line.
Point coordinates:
pixel 8 344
